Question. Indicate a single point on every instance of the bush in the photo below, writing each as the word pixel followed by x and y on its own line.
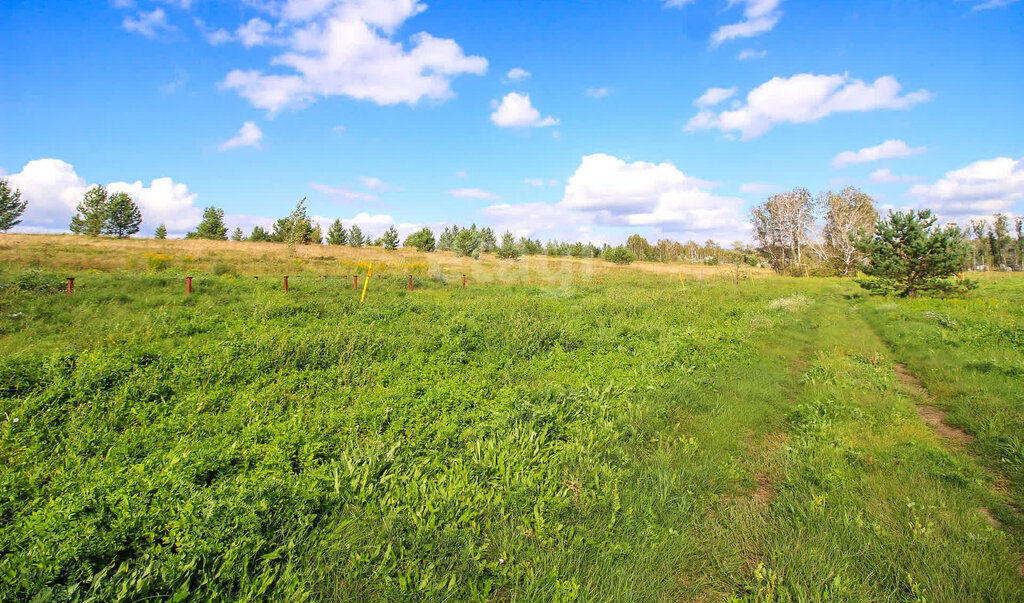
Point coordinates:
pixel 158 262
pixel 222 269
pixel 619 255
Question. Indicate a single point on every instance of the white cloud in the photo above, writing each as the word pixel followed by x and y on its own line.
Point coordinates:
pixel 254 33
pixel 218 37
pixel 540 182
pixel 249 135
pixel 346 48
pixel 886 175
pixel 990 4
pixel 760 188
pixel 759 16
pixel 713 96
pixel 598 92
pixel 339 130
pixel 341 194
pixel 462 174
pixel 749 54
pixel 148 24
pixel 608 191
pixel 473 193
pixel 675 3
pixel 890 149
pixel 516 111
pixel 982 187
pixel 376 184
pixel 805 98
pixel 517 74
pixel 162 202
pixel 53 190
pixel 180 79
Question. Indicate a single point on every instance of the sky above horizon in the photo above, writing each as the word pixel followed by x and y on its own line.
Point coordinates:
pixel 571 120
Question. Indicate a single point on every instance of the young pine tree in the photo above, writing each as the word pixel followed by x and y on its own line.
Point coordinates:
pixel 161 232
pixel 422 240
pixel 91 213
pixel 212 226
pixel 336 234
pixel 11 206
pixel 508 250
pixel 237 235
pixel 123 216
pixel 355 236
pixel 316 236
pixel 259 235
pixel 908 253
pixel 389 240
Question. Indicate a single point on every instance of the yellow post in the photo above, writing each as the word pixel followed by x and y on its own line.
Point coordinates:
pixel 681 280
pixel 366 284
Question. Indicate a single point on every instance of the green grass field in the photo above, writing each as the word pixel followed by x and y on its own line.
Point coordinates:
pixel 611 435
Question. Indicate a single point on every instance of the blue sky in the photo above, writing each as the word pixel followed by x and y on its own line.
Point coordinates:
pixel 577 120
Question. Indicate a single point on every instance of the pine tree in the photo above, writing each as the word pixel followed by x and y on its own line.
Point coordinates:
pixel 91 213
pixel 212 226
pixel 508 249
pixel 355 236
pixel 11 206
pixel 161 232
pixel 123 216
pixel 422 240
pixel 316 236
pixel 238 235
pixel 907 254
pixel 259 235
pixel 389 240
pixel 336 234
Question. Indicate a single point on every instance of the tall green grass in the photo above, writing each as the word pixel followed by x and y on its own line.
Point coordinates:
pixel 627 440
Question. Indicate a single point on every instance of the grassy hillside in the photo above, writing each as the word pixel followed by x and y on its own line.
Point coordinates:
pixel 584 432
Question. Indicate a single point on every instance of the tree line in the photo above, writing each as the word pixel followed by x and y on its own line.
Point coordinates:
pixel 797 233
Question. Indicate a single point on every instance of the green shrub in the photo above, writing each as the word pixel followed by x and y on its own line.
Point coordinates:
pixel 619 255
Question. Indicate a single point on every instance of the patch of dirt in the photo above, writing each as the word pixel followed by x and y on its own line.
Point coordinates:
pixel 765 492
pixel 932 416
pixel 992 521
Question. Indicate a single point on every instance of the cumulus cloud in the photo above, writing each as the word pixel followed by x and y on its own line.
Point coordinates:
pixel 347 48
pixel 148 24
pixel 255 32
pixel 162 202
pixel 473 193
pixel 759 16
pixel 805 98
pixel 608 191
pixel 980 188
pixel 890 149
pixel 885 175
pixel 53 190
pixel 598 93
pixel 516 111
pixel 517 74
pixel 249 135
pixel 713 96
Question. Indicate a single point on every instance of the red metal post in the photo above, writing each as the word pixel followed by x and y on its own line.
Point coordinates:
pixel 286 283
pixel 188 285
pixel 463 281
pixel 256 277
pixel 410 282
pixel 71 285
pixel 355 282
